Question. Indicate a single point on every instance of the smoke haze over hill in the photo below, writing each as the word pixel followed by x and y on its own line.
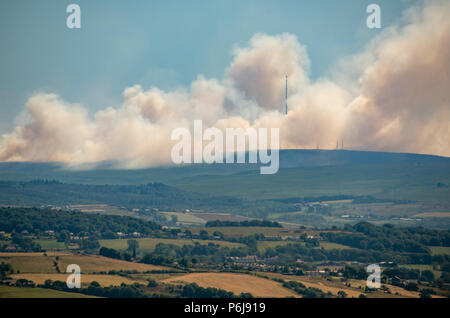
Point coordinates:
pixel 397 101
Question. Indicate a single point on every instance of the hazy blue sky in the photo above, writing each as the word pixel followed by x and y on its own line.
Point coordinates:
pixel 162 43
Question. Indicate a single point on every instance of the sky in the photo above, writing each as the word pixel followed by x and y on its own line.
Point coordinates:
pixel 162 43
pixel 118 87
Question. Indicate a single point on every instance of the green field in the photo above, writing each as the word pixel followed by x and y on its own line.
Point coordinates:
pixel 185 218
pixel 22 292
pixel 48 245
pixel 334 246
pixel 236 231
pixel 439 250
pixel 263 245
pixel 147 245
pixel 39 263
pixel 421 267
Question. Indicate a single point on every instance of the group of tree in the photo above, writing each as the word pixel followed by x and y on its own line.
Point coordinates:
pixel 306 292
pixel 38 220
pixel 94 289
pixel 112 253
pixel 387 237
pixel 155 195
pixel 194 291
pixel 5 270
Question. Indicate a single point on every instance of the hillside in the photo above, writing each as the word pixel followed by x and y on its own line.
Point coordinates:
pixel 400 188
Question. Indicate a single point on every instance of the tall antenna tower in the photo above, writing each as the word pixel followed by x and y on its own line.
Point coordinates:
pixel 285 97
pixel 342 144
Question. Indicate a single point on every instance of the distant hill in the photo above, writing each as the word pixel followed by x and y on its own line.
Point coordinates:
pixel 302 173
pixel 106 173
pixel 309 158
pixel 368 177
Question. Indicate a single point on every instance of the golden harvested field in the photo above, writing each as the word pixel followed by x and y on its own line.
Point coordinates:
pixel 38 263
pixel 148 244
pixel 394 289
pixel 236 283
pixel 336 285
pixel 318 283
pixel 86 279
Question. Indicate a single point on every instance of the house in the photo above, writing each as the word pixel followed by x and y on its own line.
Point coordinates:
pixel 288 238
pixel 315 273
pixel 331 268
pixel 9 282
pixel 10 248
pixel 244 259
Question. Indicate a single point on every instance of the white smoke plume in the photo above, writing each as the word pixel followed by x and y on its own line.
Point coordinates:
pixel 400 101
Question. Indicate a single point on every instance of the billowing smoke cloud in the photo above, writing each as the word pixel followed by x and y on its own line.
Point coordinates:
pixel 400 101
pixel 258 70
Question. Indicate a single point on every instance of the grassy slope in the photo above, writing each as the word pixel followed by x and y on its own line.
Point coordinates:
pixel 86 279
pixel 302 172
pixel 439 250
pixel 16 292
pixel 37 263
pixel 407 181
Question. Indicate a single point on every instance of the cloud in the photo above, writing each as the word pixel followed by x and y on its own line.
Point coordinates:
pixel 395 97
pixel 258 70
pixel 404 101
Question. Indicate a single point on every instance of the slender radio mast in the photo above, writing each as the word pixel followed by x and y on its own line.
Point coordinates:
pixel 286 95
